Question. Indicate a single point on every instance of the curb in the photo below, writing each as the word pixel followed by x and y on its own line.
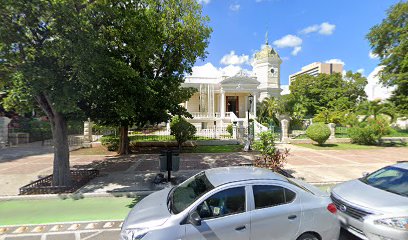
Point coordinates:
pixel 85 195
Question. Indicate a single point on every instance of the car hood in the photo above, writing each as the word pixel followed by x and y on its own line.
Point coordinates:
pixel 151 211
pixel 367 197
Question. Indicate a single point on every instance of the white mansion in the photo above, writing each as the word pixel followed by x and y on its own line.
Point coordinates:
pixel 224 100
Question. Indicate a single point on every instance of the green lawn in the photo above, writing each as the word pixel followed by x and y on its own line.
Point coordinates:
pixel 214 149
pixel 161 138
pixel 18 212
pixel 398 133
pixel 337 146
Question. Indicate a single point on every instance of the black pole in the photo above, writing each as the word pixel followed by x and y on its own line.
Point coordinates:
pixel 249 130
pixel 169 164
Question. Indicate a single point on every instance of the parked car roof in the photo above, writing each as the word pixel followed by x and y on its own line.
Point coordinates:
pixel 220 176
pixel 403 165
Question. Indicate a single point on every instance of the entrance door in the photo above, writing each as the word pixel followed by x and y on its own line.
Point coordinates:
pixel 232 105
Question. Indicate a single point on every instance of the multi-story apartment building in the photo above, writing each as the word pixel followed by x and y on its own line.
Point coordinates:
pixel 317 67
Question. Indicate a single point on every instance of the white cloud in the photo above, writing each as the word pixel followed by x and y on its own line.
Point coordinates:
pixel 361 71
pixel 324 29
pixel 233 59
pixel 327 28
pixel 372 55
pixel 310 29
pixel 288 41
pixel 204 2
pixel 234 7
pixel 285 89
pixel 335 60
pixel 208 70
pixel 374 89
pixel 296 50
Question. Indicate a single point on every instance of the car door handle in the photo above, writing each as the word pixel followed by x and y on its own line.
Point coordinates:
pixel 240 228
pixel 291 217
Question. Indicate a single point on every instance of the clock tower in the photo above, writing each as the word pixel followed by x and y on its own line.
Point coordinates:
pixel 266 67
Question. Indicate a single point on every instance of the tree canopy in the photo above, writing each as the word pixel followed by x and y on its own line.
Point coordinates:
pixel 120 60
pixel 333 92
pixel 389 40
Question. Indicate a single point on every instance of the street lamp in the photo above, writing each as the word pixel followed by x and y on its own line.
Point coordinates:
pixel 250 100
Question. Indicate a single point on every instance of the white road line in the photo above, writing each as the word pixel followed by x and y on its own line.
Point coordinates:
pixel 92 235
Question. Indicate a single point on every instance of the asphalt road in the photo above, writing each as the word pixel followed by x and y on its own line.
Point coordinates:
pixel 111 234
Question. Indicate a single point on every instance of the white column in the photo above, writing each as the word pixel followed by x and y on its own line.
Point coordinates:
pixel 222 104
pixel 213 100
pixel 332 127
pixel 254 104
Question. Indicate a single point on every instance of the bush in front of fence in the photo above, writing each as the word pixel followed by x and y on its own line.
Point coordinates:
pixel 369 132
pixel 318 132
pixel 111 142
pixel 229 129
pixel 182 130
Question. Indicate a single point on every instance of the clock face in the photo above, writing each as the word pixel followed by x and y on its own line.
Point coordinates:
pixel 273 72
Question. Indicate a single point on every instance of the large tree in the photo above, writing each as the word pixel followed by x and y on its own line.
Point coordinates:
pixel 39 41
pixel 333 92
pixel 71 55
pixel 149 48
pixel 389 41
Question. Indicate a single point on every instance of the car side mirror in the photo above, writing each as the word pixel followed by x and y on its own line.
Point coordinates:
pixel 194 218
pixel 365 174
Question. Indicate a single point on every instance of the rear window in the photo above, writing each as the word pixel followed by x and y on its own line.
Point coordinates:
pixel 270 195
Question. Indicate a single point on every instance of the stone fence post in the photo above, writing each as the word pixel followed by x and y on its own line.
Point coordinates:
pixel 4 122
pixel 234 131
pixel 332 127
pixel 88 133
pixel 285 130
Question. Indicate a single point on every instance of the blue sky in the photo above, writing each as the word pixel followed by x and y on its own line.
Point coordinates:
pixel 302 31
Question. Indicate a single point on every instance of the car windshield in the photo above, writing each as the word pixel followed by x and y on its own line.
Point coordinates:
pixel 187 192
pixel 390 179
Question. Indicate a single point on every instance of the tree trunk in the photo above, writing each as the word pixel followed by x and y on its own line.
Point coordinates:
pixel 124 140
pixel 61 173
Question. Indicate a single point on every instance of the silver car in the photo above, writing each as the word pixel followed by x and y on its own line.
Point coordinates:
pixel 375 207
pixel 234 203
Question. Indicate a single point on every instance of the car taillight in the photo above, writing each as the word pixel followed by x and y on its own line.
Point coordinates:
pixel 332 208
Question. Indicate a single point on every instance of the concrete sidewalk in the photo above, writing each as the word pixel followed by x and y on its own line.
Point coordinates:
pixel 325 166
pixel 135 173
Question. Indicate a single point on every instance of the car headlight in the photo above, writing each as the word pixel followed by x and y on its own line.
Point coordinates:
pixel 134 233
pixel 400 223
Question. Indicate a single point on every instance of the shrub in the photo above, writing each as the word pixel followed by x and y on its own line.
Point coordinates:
pixel 370 131
pixel 181 130
pixel 110 142
pixel 229 129
pixel 272 157
pixel 318 132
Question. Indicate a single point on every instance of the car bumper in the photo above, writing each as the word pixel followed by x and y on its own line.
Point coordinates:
pixel 352 225
pixel 367 230
pixel 379 232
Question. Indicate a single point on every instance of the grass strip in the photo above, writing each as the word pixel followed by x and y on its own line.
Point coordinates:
pixel 18 212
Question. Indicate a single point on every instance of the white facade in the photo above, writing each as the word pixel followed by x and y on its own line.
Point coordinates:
pixel 221 101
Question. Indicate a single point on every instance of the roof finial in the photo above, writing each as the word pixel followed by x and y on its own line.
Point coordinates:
pixel 266 38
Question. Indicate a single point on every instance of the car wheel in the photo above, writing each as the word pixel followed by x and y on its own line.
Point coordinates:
pixel 308 236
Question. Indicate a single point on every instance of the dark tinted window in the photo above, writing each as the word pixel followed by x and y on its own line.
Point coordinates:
pixel 226 202
pixel 188 192
pixel 391 179
pixel 269 195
